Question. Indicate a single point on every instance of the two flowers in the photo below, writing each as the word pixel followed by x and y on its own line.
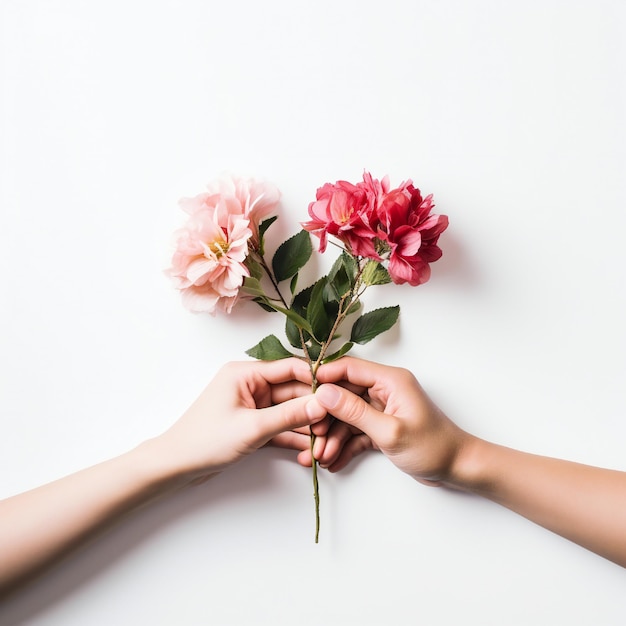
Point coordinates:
pixel 371 220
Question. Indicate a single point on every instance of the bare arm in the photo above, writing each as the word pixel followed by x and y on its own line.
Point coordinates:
pixel 244 407
pixel 584 504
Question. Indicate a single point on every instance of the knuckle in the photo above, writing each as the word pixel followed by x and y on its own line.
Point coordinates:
pixel 354 409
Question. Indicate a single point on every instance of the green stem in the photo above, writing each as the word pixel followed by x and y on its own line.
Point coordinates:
pixel 343 311
pixel 270 275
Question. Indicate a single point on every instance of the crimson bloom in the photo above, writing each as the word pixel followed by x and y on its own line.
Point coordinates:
pixel 348 212
pixel 376 222
pixel 411 233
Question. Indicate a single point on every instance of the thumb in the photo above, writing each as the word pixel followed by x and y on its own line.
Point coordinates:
pixel 351 409
pixel 289 415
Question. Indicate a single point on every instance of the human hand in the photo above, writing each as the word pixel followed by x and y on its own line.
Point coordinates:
pixel 395 415
pixel 245 406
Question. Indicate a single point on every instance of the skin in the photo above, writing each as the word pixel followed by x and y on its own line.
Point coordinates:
pixel 246 406
pixel 385 408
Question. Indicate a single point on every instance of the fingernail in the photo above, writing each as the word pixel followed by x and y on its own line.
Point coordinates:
pixel 328 395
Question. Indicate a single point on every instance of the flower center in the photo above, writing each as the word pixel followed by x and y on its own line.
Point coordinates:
pixel 219 247
pixel 345 216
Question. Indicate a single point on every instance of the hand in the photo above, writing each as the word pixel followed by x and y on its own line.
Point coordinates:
pixel 395 415
pixel 244 407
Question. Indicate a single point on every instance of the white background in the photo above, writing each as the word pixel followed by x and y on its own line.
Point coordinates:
pixel 511 114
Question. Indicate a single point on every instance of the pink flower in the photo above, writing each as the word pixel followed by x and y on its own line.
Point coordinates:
pixel 208 263
pixel 258 200
pixel 348 212
pixel 411 232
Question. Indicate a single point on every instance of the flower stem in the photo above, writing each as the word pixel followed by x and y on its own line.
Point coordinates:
pixel 270 275
pixel 353 295
pixel 312 437
pixel 316 490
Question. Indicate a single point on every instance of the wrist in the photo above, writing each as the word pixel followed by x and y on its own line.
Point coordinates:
pixel 471 469
pixel 171 466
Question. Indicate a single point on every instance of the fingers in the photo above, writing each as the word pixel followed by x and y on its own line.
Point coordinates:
pixel 353 410
pixel 336 440
pixel 341 445
pixel 282 371
pixel 291 441
pixel 356 371
pixel 355 446
pixel 281 392
pixel 288 416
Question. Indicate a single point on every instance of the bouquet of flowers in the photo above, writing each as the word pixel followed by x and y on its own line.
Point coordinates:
pixel 382 235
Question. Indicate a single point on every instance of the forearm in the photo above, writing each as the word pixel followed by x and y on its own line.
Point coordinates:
pixel 39 527
pixel 582 503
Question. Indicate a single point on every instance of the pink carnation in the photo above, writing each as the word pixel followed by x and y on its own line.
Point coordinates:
pixel 208 262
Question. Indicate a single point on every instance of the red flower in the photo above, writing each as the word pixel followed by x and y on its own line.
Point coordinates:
pixel 411 232
pixel 348 212
pixel 375 222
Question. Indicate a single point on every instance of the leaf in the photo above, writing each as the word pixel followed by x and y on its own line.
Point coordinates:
pixel 269 349
pixel 339 279
pixel 316 312
pixel 337 355
pixel 313 349
pixel 262 302
pixel 301 300
pixel 263 226
pixel 349 262
pixel 374 273
pixel 322 310
pixel 292 256
pixel 256 271
pixel 299 306
pixel 293 284
pixel 330 294
pixel 354 307
pixel 373 323
pixel 292 333
pixel 252 287
pixel 296 318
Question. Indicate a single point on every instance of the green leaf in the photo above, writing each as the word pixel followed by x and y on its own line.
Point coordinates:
pixel 354 307
pixel 292 256
pixel 256 271
pixel 296 318
pixel 293 284
pixel 292 333
pixel 375 274
pixel 252 287
pixel 330 294
pixel 349 262
pixel 263 226
pixel 301 300
pixel 339 279
pixel 322 310
pixel 299 305
pixel 269 349
pixel 262 302
pixel 313 349
pixel 337 355
pixel 316 312
pixel 373 323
